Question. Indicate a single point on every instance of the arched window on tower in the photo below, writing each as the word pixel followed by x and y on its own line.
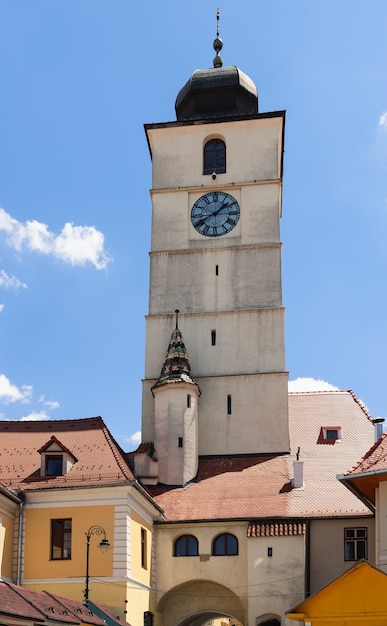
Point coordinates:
pixel 225 545
pixel 186 545
pixel 214 157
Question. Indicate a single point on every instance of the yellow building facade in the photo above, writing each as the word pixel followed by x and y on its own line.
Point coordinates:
pixel 357 597
pixel 9 509
pixel 75 492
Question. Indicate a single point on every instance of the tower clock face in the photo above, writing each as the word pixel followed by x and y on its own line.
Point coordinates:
pixel 215 214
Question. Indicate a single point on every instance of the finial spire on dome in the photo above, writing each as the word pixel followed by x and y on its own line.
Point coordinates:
pixel 218 43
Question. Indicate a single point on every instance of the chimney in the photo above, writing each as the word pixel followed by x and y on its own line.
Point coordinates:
pixel 298 474
pixel 378 423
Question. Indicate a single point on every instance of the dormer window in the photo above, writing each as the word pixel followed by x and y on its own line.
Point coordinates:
pixel 56 459
pixel 54 465
pixel 332 433
pixel 329 434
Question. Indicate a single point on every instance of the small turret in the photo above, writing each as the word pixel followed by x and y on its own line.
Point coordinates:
pixel 176 415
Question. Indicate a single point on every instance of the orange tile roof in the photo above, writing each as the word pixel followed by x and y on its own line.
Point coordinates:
pixel 365 476
pixel 374 460
pixel 229 488
pixel 256 487
pixel 100 460
pixel 276 529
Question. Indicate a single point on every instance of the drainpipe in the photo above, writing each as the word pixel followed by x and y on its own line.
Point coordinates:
pixel 307 559
pixel 19 544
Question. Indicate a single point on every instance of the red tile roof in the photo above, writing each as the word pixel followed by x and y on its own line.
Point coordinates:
pixel 365 476
pixel 276 529
pixel 374 460
pixel 100 459
pixel 39 606
pixel 12 604
pixel 54 440
pixel 256 487
pixel 229 488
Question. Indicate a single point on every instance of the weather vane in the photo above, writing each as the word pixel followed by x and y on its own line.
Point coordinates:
pixel 218 43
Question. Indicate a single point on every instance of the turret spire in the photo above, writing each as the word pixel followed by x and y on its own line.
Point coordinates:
pixel 176 366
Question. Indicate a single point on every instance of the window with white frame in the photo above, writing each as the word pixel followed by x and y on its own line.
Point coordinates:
pixel 355 544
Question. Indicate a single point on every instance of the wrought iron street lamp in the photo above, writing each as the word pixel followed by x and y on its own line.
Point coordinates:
pixel 104 545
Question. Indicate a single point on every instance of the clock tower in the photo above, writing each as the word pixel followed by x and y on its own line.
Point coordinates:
pixel 216 258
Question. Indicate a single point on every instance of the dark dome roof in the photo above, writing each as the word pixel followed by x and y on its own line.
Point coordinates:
pixel 217 92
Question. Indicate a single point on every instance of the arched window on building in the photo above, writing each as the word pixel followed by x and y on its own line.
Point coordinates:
pixel 214 157
pixel 225 545
pixel 186 545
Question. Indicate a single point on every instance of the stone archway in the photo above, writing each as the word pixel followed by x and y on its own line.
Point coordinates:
pixel 269 620
pixel 199 601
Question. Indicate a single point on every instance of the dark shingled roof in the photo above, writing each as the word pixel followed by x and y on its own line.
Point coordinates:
pixel 176 367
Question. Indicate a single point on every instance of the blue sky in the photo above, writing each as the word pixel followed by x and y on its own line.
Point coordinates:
pixel 79 78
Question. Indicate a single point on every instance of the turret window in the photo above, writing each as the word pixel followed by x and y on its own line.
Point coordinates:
pixel 214 158
pixel 180 442
pixel 229 405
pixel 213 337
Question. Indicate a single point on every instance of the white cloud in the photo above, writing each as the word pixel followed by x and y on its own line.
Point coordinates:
pixel 76 245
pixel 35 416
pixel 11 393
pixel 310 384
pixel 383 120
pixel 133 439
pixel 2 307
pixel 50 404
pixel 10 282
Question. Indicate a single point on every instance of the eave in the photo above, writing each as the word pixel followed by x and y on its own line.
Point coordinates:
pixel 364 485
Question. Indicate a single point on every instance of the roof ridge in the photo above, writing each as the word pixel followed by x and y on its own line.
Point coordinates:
pixel 318 391
pixel 361 405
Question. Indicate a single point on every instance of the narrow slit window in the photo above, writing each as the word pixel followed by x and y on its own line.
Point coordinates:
pixel 180 442
pixel 143 548
pixel 229 405
pixel 216 270
pixel 213 337
pixel 188 400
